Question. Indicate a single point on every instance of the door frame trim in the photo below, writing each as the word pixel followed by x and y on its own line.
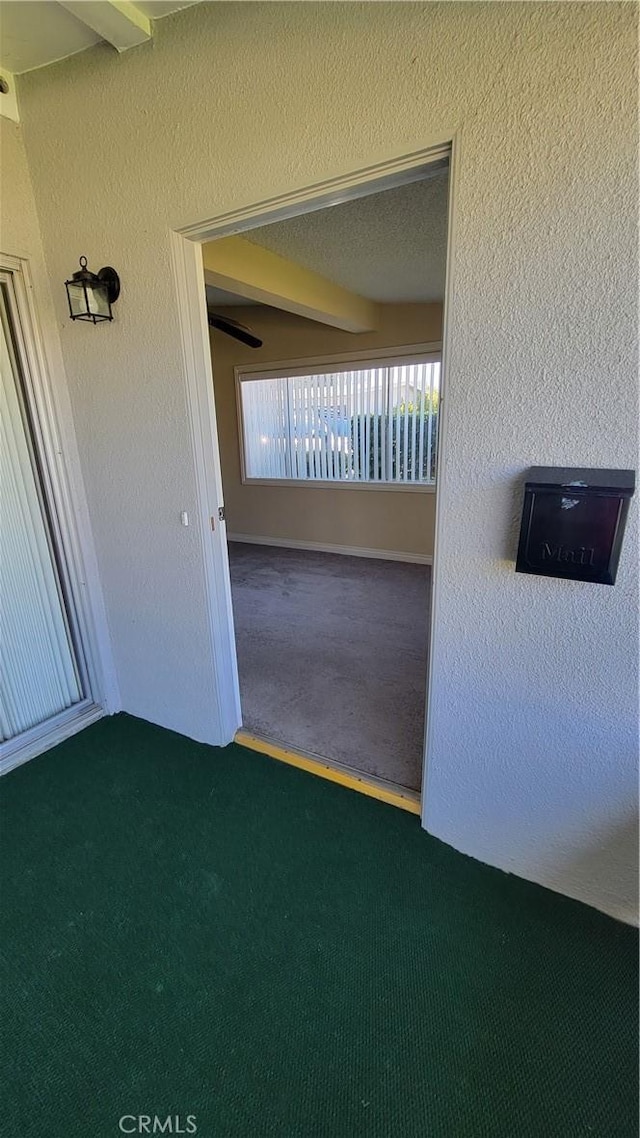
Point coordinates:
pixel 186 254
pixel 44 736
pixel 55 443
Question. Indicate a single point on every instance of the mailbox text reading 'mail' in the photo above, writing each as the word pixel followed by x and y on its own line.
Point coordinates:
pixel 582 556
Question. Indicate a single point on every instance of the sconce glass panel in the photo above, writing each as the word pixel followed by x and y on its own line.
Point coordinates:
pixel 91 296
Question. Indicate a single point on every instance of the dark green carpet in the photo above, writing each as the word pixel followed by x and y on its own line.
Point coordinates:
pixel 193 931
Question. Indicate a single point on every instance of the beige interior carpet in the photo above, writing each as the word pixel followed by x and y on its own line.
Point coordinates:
pixel 332 655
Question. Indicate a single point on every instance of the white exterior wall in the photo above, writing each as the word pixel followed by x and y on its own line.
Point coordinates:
pixel 534 710
pixel 20 237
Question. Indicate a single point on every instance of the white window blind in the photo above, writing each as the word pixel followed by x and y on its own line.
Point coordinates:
pixel 374 424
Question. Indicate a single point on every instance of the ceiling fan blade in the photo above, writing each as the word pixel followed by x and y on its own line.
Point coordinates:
pixel 234 328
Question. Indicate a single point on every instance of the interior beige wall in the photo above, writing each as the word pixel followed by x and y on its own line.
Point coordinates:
pixel 395 520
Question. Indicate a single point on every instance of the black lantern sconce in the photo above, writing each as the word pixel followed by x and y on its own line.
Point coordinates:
pixel 91 296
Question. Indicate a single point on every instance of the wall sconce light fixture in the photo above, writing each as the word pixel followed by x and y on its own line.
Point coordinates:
pixel 91 296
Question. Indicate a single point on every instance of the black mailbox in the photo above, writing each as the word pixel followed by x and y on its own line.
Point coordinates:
pixel 573 521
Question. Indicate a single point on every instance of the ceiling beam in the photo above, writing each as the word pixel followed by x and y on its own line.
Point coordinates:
pixel 236 265
pixel 118 22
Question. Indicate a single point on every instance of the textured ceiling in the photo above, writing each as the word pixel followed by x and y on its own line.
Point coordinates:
pixel 38 32
pixel 219 297
pixel 390 247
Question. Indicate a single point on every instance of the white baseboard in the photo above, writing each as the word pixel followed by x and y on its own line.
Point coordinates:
pixel 323 547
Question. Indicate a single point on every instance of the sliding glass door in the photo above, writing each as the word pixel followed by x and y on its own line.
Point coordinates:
pixel 41 675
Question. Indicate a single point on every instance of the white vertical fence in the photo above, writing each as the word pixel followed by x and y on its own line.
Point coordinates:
pixel 376 424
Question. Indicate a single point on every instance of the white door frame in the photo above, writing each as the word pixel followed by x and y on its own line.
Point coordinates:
pixel 54 440
pixel 186 251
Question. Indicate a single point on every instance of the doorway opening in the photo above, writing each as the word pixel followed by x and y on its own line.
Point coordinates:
pixel 326 329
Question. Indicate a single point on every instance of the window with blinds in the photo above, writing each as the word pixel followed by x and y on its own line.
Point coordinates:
pixel 373 424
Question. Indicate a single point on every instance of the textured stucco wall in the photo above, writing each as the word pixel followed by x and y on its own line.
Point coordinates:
pixel 19 229
pixel 396 520
pixel 20 236
pixel 533 716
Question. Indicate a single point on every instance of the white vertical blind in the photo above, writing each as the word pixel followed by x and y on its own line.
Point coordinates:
pixel 38 674
pixel 378 424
